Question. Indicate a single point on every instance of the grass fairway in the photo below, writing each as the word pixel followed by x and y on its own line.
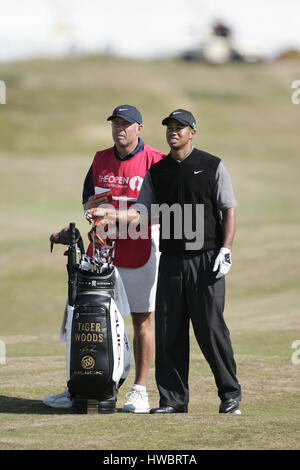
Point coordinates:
pixel 50 128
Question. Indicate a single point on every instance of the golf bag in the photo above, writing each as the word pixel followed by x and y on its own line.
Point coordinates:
pixel 100 354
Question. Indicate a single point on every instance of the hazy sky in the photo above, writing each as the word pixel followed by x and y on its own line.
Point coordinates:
pixel 137 28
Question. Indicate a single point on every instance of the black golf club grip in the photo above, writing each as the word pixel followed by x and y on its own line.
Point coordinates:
pixel 72 233
pixel 71 266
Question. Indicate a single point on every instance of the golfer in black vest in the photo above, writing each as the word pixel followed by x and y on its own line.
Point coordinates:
pixel 195 244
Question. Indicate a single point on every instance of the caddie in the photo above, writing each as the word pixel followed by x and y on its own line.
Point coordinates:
pixel 120 170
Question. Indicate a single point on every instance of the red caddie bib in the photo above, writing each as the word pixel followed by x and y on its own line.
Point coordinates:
pixel 124 179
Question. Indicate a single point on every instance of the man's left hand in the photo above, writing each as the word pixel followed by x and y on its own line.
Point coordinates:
pixel 222 262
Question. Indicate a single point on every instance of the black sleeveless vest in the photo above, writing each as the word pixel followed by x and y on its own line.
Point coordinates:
pixel 187 184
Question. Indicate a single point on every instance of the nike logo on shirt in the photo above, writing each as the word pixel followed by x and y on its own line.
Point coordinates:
pixel 196 172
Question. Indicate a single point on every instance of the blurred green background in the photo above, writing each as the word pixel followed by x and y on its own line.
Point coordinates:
pixel 54 121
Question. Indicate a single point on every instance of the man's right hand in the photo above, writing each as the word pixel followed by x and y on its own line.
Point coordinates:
pixel 95 201
pixel 96 213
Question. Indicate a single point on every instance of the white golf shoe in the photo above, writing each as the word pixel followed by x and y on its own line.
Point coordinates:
pixel 61 400
pixel 137 401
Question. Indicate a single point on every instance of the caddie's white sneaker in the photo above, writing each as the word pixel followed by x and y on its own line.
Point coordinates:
pixel 137 401
pixel 61 400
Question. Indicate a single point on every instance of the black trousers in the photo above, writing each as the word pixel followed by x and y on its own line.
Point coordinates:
pixel 188 290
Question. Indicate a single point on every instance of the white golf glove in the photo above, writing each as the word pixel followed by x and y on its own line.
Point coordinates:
pixel 222 262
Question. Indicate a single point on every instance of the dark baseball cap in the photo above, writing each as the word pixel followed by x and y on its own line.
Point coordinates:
pixel 183 116
pixel 127 112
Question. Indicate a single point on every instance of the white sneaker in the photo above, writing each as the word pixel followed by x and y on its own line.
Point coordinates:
pixel 137 401
pixel 62 400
